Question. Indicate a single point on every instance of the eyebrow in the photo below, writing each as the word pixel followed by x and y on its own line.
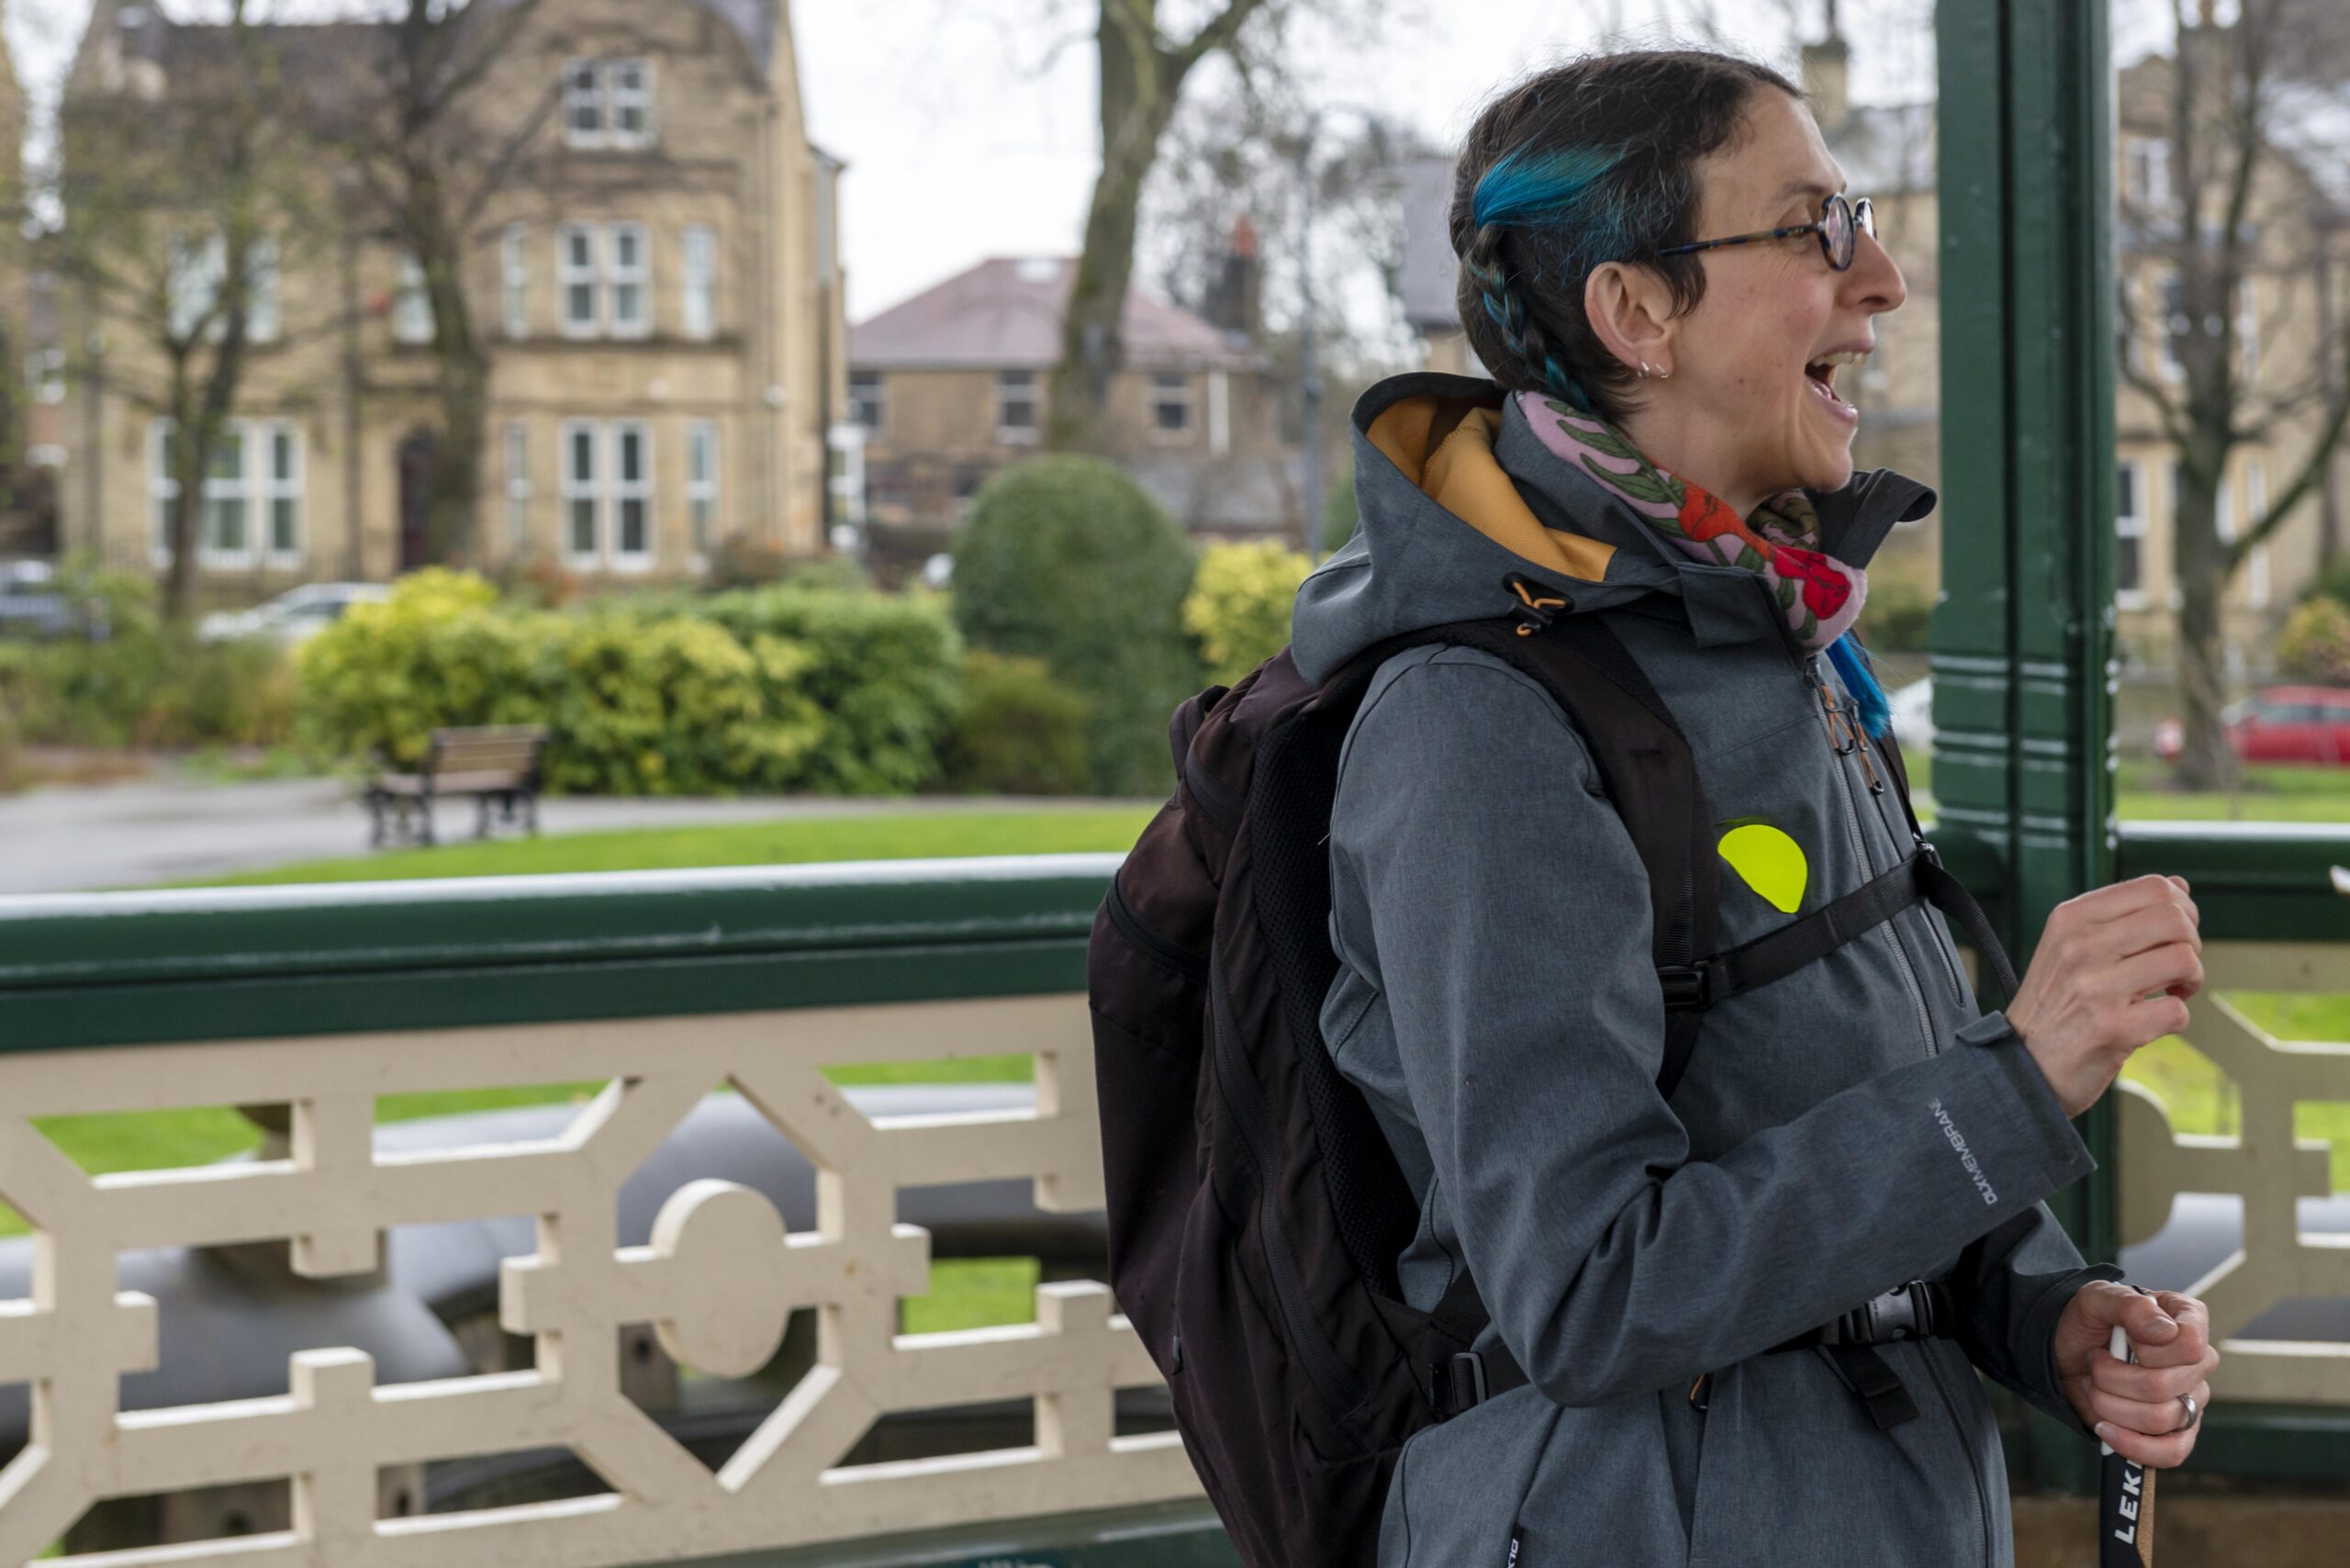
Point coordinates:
pixel 1802 186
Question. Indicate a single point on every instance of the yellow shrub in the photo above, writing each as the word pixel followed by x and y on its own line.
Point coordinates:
pixel 1238 608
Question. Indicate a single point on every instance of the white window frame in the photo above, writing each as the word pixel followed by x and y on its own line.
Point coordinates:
pixel 2132 524
pixel 876 426
pixel 2248 329
pixel 571 276
pixel 616 97
pixel 263 317
pixel 576 490
pixel 198 265
pixel 639 277
pixel 595 85
pixel 48 375
pixel 620 492
pixel 275 488
pixel 583 87
pixel 1017 436
pixel 698 281
pixel 518 484
pixel 1164 396
pixel 2166 336
pixel 702 448
pixel 514 280
pixel 2257 586
pixel 412 323
pixel 2146 164
pixel 163 488
pixel 237 493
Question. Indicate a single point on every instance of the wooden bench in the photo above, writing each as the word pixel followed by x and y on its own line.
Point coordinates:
pixel 498 765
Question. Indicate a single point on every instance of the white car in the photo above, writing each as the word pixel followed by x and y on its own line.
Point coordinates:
pixel 293 616
pixel 1913 715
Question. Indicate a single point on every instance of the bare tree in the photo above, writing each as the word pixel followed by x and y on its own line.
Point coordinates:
pixel 428 152
pixel 1143 70
pixel 176 207
pixel 2236 205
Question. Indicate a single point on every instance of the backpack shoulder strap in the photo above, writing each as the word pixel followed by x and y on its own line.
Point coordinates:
pixel 1651 775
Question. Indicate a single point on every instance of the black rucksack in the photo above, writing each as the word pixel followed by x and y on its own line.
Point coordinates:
pixel 1255 1210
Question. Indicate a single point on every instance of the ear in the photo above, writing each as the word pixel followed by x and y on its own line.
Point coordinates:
pixel 1630 312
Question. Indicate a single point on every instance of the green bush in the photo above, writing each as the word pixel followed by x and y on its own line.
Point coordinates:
pixel 2315 644
pixel 1339 513
pixel 766 689
pixel 1021 732
pixel 1898 614
pixel 145 683
pixel 1238 609
pixel 885 671
pixel 1066 559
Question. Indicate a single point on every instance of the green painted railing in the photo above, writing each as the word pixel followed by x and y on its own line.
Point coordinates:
pixel 123 970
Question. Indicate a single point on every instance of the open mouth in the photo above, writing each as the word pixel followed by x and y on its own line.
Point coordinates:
pixel 1821 372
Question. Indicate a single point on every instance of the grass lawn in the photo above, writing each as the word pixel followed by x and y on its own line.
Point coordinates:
pixel 791 842
pixel 2142 794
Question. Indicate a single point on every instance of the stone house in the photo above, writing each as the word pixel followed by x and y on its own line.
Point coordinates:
pixel 951 385
pixel 659 296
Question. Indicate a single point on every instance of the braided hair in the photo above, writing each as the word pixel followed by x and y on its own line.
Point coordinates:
pixel 1587 162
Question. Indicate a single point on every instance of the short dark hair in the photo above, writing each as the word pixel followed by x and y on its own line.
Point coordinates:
pixel 1590 162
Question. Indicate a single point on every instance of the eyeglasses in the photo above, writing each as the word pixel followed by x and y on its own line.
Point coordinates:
pixel 1840 224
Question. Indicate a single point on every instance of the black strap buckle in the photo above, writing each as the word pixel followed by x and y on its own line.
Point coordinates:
pixel 1904 1312
pixel 1460 1384
pixel 1688 987
pixel 1533 610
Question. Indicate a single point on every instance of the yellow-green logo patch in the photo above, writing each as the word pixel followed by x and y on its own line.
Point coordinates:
pixel 1772 863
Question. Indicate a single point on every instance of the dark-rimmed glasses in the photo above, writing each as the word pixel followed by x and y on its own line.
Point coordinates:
pixel 1838 225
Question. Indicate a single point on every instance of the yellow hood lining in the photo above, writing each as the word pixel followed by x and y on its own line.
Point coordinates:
pixel 1445 445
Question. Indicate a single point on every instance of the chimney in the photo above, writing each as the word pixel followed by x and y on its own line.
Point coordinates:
pixel 1826 68
pixel 1235 301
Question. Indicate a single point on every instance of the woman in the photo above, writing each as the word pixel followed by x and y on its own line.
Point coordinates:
pixel 1658 270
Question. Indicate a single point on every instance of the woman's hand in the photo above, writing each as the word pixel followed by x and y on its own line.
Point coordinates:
pixel 2136 1409
pixel 2113 971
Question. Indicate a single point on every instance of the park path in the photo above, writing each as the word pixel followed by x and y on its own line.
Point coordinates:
pixel 155 830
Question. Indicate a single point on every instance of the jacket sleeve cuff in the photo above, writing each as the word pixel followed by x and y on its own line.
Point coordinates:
pixel 2068 1159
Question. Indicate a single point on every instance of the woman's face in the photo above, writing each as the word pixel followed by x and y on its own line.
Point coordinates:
pixel 1747 363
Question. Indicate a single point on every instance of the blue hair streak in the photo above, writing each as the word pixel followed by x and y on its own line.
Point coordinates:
pixel 1525 186
pixel 1852 666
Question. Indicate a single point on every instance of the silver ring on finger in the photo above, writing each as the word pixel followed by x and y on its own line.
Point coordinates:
pixel 2194 1413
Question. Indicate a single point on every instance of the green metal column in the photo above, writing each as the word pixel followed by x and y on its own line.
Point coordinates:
pixel 2022 639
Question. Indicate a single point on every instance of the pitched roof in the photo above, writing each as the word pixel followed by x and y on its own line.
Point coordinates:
pixel 1005 314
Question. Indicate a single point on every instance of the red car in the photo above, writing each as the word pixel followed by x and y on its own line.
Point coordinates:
pixel 2280 723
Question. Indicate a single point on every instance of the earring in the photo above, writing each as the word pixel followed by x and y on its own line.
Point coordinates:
pixel 1665 376
pixel 1644 370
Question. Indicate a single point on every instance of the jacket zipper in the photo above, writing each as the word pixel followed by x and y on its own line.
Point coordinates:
pixel 1245 1100
pixel 1936 936
pixel 1860 844
pixel 1182 961
pixel 1958 1427
pixel 1222 808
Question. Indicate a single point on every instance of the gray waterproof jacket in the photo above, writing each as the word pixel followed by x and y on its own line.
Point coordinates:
pixel 1496 1001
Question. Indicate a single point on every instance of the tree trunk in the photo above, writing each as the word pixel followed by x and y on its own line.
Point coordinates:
pixel 1139 88
pixel 461 370
pixel 2200 565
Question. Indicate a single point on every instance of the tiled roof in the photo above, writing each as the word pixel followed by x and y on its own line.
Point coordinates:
pixel 1006 314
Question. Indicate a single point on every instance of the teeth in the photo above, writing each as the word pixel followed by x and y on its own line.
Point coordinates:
pixel 1849 356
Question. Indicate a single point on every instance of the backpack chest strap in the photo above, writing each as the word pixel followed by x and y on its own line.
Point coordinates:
pixel 1695 987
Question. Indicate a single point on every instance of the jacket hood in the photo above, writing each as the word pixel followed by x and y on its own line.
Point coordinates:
pixel 1457 494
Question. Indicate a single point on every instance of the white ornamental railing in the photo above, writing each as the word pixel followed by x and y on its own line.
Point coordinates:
pixel 718 1281
pixel 2264 1164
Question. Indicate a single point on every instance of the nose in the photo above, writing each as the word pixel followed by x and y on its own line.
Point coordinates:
pixel 1873 283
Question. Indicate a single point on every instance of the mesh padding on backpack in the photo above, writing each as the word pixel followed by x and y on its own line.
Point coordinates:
pixel 1289 817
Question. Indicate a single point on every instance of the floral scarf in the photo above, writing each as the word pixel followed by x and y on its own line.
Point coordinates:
pixel 1819 594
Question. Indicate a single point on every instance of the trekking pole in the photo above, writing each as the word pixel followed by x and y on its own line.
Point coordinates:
pixel 2125 1503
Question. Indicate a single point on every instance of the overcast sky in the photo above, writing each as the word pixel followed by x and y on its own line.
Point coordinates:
pixel 969 134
